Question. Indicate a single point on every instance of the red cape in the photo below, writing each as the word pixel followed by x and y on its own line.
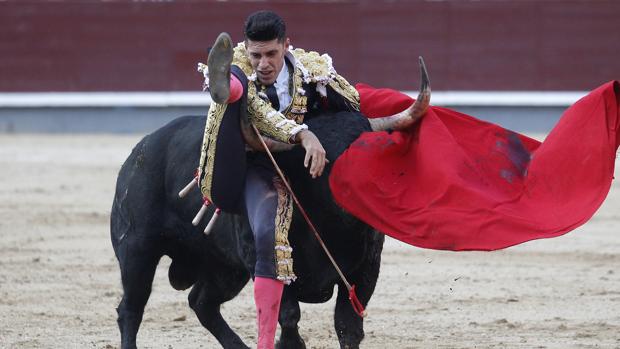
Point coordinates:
pixel 457 183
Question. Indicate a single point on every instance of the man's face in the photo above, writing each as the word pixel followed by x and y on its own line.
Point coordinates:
pixel 267 58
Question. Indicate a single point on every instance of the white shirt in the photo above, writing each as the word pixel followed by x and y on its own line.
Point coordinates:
pixel 282 88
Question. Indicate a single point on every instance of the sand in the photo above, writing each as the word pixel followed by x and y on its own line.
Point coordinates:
pixel 60 282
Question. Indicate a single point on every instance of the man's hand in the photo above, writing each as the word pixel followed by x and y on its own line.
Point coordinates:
pixel 315 154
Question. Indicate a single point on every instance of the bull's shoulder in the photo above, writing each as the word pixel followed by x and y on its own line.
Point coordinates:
pixel 183 122
pixel 180 134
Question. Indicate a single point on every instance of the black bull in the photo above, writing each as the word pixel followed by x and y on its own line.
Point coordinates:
pixel 149 220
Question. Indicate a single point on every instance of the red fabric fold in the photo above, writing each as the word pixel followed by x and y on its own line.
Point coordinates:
pixel 454 182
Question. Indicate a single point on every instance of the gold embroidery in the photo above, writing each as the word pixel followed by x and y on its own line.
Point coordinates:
pixel 240 59
pixel 318 68
pixel 268 120
pixel 299 103
pixel 283 250
pixel 343 88
pixel 207 153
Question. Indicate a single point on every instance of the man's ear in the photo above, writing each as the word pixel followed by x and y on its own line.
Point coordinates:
pixel 287 43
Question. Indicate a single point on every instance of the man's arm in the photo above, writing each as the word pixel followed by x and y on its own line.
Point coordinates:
pixel 274 124
pixel 342 96
pixel 269 121
pixel 315 153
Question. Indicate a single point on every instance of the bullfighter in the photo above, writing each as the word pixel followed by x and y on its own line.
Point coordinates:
pixel 265 82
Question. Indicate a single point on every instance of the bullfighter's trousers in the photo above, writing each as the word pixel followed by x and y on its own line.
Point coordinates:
pixel 246 183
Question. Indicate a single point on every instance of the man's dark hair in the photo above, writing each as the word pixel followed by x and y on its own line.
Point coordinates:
pixel 264 26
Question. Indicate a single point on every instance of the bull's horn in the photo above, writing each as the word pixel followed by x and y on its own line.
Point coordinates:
pixel 424 97
pixel 409 116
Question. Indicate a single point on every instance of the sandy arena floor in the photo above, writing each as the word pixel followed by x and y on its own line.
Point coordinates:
pixel 60 283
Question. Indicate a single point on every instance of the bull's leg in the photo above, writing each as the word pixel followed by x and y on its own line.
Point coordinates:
pixel 206 301
pixel 137 271
pixel 349 325
pixel 289 317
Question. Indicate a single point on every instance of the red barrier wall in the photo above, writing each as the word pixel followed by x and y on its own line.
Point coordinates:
pixel 467 45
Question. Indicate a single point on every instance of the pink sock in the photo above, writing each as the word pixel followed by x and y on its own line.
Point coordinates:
pixel 236 89
pixel 267 295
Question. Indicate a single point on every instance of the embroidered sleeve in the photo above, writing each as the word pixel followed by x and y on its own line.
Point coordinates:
pixel 347 97
pixel 269 121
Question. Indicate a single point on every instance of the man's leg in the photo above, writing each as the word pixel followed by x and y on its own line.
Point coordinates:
pixel 228 130
pixel 218 63
pixel 267 296
pixel 222 162
pixel 267 213
pixel 261 200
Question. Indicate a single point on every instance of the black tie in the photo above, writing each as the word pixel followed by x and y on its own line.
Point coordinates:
pixel 272 94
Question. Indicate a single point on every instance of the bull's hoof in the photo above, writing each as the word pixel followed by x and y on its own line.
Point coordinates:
pixel 291 343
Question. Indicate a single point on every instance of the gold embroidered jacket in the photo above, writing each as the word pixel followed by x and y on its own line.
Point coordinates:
pixel 315 87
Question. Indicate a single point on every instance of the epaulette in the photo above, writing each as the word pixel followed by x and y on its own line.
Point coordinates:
pixel 314 67
pixel 202 68
pixel 319 69
pixel 241 60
